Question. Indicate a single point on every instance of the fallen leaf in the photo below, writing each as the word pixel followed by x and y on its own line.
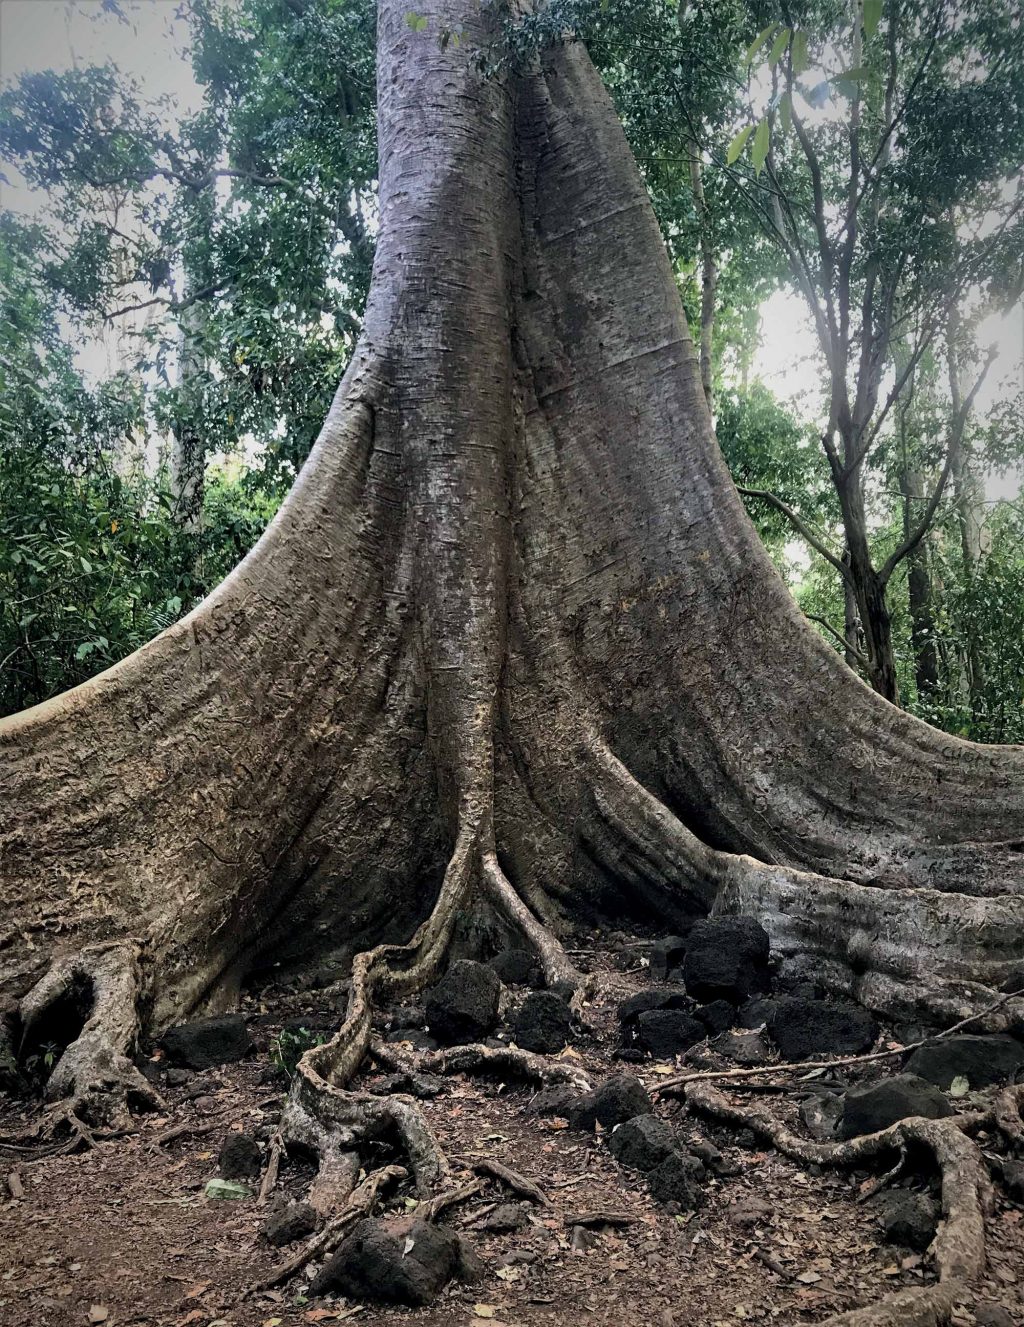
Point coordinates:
pixel 272 1322
pixel 484 1310
pixel 808 1278
pixel 98 1313
pixel 318 1315
pixel 959 1086
pixel 195 1291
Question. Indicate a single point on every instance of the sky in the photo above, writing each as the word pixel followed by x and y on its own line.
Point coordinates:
pixel 148 45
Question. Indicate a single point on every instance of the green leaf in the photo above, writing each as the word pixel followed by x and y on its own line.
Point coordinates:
pixel 762 141
pixel 854 75
pixel 799 54
pixel 872 15
pixel 86 564
pixel 778 47
pixel 415 21
pixel 737 145
pixel 758 42
pixel 959 1086
pixel 786 112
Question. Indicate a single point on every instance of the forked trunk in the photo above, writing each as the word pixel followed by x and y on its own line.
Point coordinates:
pixel 511 639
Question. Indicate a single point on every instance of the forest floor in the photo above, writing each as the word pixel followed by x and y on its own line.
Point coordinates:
pixel 124 1234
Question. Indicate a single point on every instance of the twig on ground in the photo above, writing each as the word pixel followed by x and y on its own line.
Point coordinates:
pixel 277 1150
pixel 772 1264
pixel 885 1180
pixel 516 1182
pixel 601 1218
pixel 189 1129
pixel 436 1207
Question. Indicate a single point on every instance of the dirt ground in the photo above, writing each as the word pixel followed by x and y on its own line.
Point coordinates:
pixel 123 1234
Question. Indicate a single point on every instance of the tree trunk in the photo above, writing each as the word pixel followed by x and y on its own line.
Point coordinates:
pixel 709 277
pixel 869 591
pixel 919 592
pixel 510 649
pixel 968 494
pixel 851 617
pixel 188 447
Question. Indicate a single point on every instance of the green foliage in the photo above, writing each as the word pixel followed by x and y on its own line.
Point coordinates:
pixel 249 230
pixel 290 1046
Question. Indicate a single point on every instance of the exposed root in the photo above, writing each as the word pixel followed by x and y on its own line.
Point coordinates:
pixel 359 1204
pixel 601 1218
pixel 325 1117
pixel 959 1245
pixel 94 1081
pixel 905 952
pixel 1006 1114
pixel 555 962
pixel 921 1306
pixel 506 1060
pixel 189 1130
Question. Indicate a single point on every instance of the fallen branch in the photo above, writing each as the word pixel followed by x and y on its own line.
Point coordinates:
pixel 277 1150
pixel 435 1209
pixel 526 1188
pixel 772 1264
pixel 809 1066
pixel 601 1218
pixel 190 1129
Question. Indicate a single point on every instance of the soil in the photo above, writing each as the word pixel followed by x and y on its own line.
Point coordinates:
pixel 124 1234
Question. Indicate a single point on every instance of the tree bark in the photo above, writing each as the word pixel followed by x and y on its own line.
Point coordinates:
pixel 188 447
pixel 511 647
pixel 968 495
pixel 709 277
pixel 869 591
pixel 919 592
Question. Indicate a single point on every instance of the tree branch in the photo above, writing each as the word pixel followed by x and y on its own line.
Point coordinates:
pixel 846 644
pixel 797 523
pixel 924 525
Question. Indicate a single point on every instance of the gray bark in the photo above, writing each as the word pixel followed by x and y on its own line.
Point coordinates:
pixel 511 642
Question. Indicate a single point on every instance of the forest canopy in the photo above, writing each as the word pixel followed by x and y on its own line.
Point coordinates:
pixel 225 256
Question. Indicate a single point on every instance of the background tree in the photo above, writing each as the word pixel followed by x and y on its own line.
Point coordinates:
pixel 256 290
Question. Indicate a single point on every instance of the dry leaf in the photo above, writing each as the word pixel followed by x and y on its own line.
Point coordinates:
pixel 808 1278
pixel 98 1313
pixel 199 1289
pixel 484 1310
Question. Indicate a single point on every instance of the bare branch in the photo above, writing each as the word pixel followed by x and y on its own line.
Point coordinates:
pixel 924 525
pixel 797 523
pixel 846 644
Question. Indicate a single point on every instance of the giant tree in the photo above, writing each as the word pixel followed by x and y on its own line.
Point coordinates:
pixel 510 653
